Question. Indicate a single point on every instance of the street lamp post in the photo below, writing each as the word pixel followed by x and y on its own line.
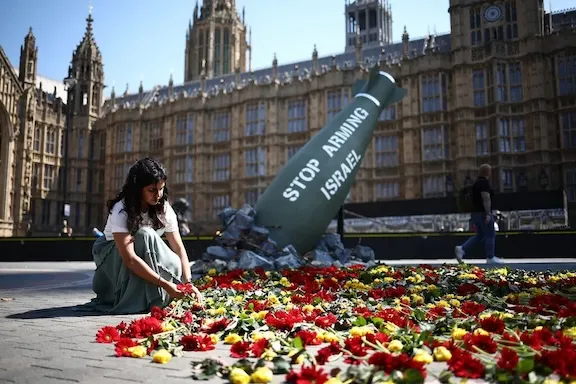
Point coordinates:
pixel 70 85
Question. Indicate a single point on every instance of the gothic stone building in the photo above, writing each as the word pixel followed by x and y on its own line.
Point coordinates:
pixel 500 88
pixel 32 148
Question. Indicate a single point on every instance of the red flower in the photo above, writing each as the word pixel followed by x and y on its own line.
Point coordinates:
pixel 121 327
pixel 463 364
pixel 508 360
pixel 324 353
pixel 259 347
pixel 240 349
pixel 283 320
pixel 326 321
pixel 158 313
pixel 308 337
pixel 197 343
pixel 216 326
pixel 122 346
pixel 493 324
pixel 307 375
pixel 390 363
pixel 484 342
pixel 107 335
pixel 144 327
pixel 561 361
pixel 187 318
pixel 356 346
pixel 380 337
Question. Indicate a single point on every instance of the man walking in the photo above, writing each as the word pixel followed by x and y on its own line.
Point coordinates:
pixel 482 218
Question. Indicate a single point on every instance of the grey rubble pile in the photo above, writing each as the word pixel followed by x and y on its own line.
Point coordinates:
pixel 243 245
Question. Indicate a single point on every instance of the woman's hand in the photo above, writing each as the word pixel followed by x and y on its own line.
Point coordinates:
pixel 199 296
pixel 172 290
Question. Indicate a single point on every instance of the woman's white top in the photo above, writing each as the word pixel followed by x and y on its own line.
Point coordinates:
pixel 117 221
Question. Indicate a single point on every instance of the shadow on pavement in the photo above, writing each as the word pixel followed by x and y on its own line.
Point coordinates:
pixel 34 279
pixel 48 313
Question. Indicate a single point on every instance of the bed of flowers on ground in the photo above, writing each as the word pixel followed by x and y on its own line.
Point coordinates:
pixel 386 323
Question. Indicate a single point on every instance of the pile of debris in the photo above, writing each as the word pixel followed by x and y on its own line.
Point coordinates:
pixel 243 245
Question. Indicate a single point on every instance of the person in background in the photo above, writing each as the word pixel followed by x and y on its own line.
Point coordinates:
pixel 135 269
pixel 482 218
pixel 65 231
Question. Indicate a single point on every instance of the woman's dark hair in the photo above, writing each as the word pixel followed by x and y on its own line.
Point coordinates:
pixel 143 173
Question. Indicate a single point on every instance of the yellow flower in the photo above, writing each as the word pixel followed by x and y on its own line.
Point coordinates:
pixel 480 331
pixel 432 287
pixel 458 333
pixel 232 338
pixel 220 311
pixel 389 280
pixel 360 331
pixel 327 337
pixel 423 357
pixel 300 359
pixel 167 326
pixel 395 346
pixel 239 298
pixel 262 375
pixel 454 303
pixel 162 356
pixel 333 380
pixel 284 282
pixel 570 332
pixel 289 306
pixel 211 271
pixel 137 351
pixel 215 339
pixel 273 300
pixel 269 335
pixel 469 276
pixel 417 299
pixel 405 300
pixel 442 304
pixel 500 271
pixel 308 308
pixel 269 355
pixel 442 354
pixel 238 376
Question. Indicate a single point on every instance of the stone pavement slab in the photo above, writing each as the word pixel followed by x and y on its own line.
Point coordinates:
pixel 43 341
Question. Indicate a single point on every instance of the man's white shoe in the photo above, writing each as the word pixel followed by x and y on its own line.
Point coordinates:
pixel 459 252
pixel 495 260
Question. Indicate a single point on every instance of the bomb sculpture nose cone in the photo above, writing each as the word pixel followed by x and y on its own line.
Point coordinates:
pixel 309 190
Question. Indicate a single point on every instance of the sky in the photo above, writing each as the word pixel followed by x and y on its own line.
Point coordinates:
pixel 144 40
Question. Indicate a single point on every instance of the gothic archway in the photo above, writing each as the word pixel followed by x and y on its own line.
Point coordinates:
pixel 6 159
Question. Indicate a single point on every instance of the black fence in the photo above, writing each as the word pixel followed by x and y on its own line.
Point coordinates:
pixel 431 246
pixel 516 201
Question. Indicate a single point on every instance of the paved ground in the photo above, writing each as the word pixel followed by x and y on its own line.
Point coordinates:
pixel 43 341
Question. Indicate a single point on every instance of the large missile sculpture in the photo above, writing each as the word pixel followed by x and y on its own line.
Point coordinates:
pixel 306 194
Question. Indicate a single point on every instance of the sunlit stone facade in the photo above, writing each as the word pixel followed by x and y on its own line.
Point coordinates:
pixel 499 88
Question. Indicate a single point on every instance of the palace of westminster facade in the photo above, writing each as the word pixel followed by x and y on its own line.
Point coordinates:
pixel 500 88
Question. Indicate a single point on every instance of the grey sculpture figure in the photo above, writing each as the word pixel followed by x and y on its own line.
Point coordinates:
pixel 306 194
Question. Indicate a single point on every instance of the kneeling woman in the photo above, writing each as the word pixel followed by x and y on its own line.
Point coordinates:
pixel 135 268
